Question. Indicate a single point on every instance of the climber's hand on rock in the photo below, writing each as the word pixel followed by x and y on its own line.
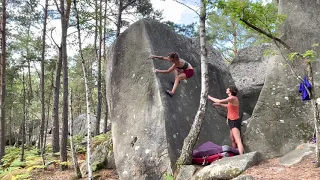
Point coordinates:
pixel 151 56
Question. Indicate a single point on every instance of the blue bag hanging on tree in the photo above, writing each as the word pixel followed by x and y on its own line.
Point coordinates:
pixel 304 85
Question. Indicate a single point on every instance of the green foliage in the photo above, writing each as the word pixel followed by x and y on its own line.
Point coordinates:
pixel 12 164
pixel 13 173
pixel 229 35
pixel 21 176
pixel 66 163
pixel 310 55
pixel 100 138
pixel 292 55
pixel 12 153
pixel 36 167
pixel 168 176
pixel 270 52
pixel 97 140
pixel 186 30
pixel 264 16
pixel 18 163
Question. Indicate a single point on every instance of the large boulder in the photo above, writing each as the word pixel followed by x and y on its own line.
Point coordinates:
pixel 281 120
pixel 248 70
pixel 80 125
pixel 148 126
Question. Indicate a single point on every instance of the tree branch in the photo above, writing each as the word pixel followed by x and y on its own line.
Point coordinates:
pixel 269 35
pixel 128 4
pixel 55 2
pixel 187 6
pixel 53 38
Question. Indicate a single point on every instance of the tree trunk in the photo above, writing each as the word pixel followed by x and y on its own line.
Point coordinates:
pixel 87 95
pixel 23 124
pixel 47 124
pixel 234 35
pixel 2 81
pixel 73 149
pixel 10 125
pixel 97 130
pixel 88 122
pixel 55 109
pixel 43 116
pixel 119 24
pixel 105 128
pixel 30 92
pixel 64 134
pixel 189 142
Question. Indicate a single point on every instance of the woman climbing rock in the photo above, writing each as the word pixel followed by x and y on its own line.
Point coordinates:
pixel 181 68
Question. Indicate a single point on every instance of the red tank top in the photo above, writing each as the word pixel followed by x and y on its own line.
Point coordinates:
pixel 233 112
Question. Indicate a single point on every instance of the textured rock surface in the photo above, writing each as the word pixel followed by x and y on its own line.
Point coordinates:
pixel 281 121
pixel 248 70
pixel 243 177
pixel 228 168
pixel 186 172
pixel 80 125
pixel 148 126
pixel 297 155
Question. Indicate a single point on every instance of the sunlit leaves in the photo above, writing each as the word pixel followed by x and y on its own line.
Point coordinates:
pixel 292 55
pixel 264 16
pixel 310 55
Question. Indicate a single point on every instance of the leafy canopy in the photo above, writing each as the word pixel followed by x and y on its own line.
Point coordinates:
pixel 264 16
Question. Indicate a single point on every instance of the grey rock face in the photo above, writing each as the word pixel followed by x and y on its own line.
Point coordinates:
pixel 80 125
pixel 148 126
pixel 228 168
pixel 280 120
pixel 248 70
pixel 243 177
pixel 186 172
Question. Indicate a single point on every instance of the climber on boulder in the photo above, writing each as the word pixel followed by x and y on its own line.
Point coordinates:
pixel 181 68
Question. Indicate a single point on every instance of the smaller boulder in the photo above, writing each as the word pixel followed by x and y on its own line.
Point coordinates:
pixel 297 155
pixel 229 167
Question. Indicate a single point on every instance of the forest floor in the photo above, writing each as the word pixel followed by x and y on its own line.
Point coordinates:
pixel 270 169
pixel 32 169
pixel 104 174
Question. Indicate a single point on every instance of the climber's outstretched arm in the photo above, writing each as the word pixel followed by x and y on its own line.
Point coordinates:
pixel 219 104
pixel 159 57
pixel 166 71
pixel 221 101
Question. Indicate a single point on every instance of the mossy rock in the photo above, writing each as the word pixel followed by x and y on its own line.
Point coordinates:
pixel 101 149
